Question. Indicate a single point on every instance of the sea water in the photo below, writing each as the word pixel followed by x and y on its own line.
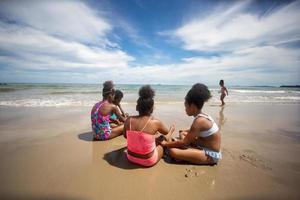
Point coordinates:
pixel 59 95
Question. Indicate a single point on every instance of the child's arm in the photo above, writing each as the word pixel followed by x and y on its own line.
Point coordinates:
pixel 125 128
pixel 226 91
pixel 114 120
pixel 170 132
pixel 186 130
pixel 122 111
pixel 189 138
pixel 163 129
pixel 118 113
pixel 167 133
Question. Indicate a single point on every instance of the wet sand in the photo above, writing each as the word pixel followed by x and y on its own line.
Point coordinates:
pixel 47 153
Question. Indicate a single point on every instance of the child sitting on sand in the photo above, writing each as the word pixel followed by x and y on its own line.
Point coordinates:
pixel 141 130
pixel 117 100
pixel 223 92
pixel 201 143
pixel 101 112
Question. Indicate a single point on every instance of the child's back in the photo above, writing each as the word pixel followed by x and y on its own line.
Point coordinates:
pixel 141 131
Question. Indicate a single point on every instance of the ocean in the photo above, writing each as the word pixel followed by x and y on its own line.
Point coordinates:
pixel 62 95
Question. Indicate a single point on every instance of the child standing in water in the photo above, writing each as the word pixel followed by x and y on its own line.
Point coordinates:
pixel 101 112
pixel 201 143
pixel 223 91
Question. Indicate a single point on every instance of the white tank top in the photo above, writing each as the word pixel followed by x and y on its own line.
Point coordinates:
pixel 210 131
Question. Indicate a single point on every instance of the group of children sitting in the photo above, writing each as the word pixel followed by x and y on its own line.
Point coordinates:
pixel 148 137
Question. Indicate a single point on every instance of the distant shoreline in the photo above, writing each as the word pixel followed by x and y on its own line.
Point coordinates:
pixel 290 86
pixel 153 84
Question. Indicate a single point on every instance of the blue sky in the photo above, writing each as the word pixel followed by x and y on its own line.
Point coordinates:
pixel 165 42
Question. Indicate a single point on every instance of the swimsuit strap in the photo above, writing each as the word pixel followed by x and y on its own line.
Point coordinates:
pixel 100 105
pixel 146 124
pixel 205 116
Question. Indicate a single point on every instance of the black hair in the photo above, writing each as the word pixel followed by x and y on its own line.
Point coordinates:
pixel 118 95
pixel 145 101
pixel 108 88
pixel 221 82
pixel 197 95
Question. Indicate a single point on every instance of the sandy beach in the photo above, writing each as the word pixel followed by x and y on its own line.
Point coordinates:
pixel 59 59
pixel 47 153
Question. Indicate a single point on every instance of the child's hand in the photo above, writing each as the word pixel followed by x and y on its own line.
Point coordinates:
pixel 172 128
pixel 182 134
pixel 159 140
pixel 171 131
pixel 126 115
pixel 163 143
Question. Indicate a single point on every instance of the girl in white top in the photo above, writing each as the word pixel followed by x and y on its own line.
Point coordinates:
pixel 201 143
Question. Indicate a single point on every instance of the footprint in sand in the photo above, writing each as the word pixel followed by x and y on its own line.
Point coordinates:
pixel 254 159
pixel 192 172
pixel 226 152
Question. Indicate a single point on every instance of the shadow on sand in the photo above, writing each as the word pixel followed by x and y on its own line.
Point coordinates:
pixel 119 159
pixel 115 158
pixel 88 136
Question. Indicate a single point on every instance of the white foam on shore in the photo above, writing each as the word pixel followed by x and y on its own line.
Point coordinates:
pixel 261 91
pixel 90 103
pixel 44 103
pixel 62 95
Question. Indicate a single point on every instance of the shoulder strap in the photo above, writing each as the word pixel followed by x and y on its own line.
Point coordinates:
pixel 100 105
pixel 146 123
pixel 205 116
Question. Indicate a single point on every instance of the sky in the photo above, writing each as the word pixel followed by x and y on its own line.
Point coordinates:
pixel 180 42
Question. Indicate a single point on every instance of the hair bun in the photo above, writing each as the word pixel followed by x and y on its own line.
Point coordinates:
pixel 202 90
pixel 108 85
pixel 146 92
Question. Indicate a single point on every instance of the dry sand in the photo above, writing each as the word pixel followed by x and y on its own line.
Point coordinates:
pixel 47 153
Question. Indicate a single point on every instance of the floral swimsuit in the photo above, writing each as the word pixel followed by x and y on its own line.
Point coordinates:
pixel 100 123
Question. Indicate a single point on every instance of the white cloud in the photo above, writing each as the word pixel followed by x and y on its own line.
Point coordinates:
pixel 251 42
pixel 43 39
pixel 40 50
pixel 252 66
pixel 52 35
pixel 70 19
pixel 234 28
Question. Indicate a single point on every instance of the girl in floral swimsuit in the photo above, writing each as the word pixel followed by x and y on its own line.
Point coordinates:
pixel 101 112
